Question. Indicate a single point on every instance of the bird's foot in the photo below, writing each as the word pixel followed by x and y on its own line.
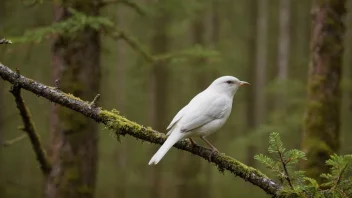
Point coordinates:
pixel 213 152
pixel 193 142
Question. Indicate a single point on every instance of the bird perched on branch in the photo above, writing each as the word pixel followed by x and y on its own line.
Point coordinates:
pixel 206 113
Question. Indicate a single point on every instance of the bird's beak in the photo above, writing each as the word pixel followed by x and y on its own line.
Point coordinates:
pixel 244 83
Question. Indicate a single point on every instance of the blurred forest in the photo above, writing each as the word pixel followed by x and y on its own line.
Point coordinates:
pixel 186 44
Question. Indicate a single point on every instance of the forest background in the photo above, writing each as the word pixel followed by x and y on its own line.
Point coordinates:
pixel 181 46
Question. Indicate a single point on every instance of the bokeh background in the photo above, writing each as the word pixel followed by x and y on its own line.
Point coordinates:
pixel 264 42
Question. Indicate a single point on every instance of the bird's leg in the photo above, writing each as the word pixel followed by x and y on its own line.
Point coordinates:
pixel 193 142
pixel 208 143
pixel 213 149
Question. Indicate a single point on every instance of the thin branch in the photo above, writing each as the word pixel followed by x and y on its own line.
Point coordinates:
pixel 29 127
pixel 123 126
pixel 131 4
pixel 151 58
pixel 14 141
pixel 119 34
pixel 57 83
pixel 338 180
pixel 5 41
pixel 287 176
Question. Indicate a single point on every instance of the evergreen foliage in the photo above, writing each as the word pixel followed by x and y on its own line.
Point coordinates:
pixel 69 27
pixel 283 162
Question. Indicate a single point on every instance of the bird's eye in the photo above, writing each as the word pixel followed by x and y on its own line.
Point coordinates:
pixel 229 82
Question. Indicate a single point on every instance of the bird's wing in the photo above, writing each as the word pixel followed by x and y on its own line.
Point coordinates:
pixel 181 113
pixel 176 118
pixel 200 112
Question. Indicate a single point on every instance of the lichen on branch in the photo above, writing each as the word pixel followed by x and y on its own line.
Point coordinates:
pixel 5 41
pixel 122 126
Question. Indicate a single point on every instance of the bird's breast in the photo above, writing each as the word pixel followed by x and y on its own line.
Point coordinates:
pixel 210 127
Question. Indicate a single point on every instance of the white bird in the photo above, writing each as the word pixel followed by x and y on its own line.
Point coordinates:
pixel 205 113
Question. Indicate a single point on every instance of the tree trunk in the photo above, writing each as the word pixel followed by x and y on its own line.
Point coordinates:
pixel 251 94
pixel 2 110
pixel 76 62
pixel 348 56
pixel 283 53
pixel 256 99
pixel 189 184
pixel 322 121
pixel 121 186
pixel 2 107
pixel 215 26
pixel 284 39
pixel 2 4
pixel 261 61
pixel 158 87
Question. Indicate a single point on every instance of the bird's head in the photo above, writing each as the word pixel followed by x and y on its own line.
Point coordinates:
pixel 227 84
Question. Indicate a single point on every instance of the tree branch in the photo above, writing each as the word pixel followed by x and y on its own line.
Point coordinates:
pixel 29 127
pixel 119 34
pixel 131 4
pixel 123 126
pixel 287 176
pixel 14 141
pixel 197 51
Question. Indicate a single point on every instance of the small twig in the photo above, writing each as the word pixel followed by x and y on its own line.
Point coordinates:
pixel 131 4
pixel 5 41
pixel 93 104
pixel 286 172
pixel 57 84
pixel 14 141
pixel 29 128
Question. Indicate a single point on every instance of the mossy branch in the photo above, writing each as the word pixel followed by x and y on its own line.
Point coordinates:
pixel 123 126
pixel 29 127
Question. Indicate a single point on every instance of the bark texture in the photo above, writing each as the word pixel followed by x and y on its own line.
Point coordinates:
pixel 322 120
pixel 76 62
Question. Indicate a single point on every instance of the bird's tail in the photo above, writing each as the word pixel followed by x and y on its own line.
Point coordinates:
pixel 171 140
